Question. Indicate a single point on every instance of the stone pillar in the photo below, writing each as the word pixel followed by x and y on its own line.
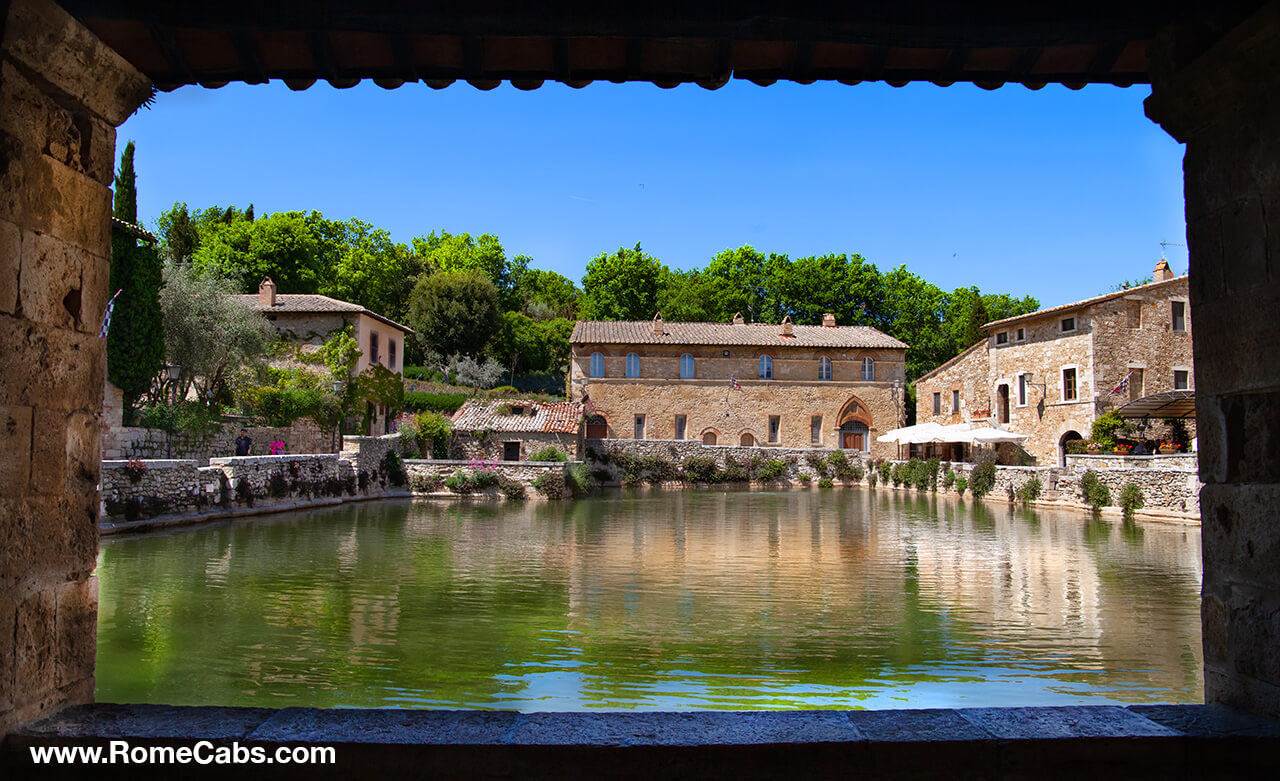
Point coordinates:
pixel 62 92
pixel 1219 97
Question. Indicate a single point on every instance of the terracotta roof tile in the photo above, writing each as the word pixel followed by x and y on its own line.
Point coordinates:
pixel 300 303
pixel 549 417
pixel 754 335
pixel 1079 304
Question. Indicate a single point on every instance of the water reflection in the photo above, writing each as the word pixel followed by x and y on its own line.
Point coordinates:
pixel 656 600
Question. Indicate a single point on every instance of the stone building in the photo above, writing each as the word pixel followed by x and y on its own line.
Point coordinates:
pixel 785 385
pixel 308 320
pixel 507 430
pixel 1049 374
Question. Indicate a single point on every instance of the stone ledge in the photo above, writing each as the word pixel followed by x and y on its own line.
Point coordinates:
pixel 175 520
pixel 1155 741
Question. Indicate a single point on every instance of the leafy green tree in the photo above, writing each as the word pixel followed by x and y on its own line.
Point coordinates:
pixel 135 340
pixel 738 283
pixel 369 269
pixel 454 312
pixel 555 292
pixel 623 286
pixel 179 236
pixel 296 250
pixel 482 254
pixel 916 308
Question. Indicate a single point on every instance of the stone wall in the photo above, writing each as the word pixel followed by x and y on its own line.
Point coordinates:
pixel 602 455
pixel 368 452
pixel 711 406
pixel 1175 461
pixel 426 477
pixel 62 92
pixel 304 436
pixel 490 446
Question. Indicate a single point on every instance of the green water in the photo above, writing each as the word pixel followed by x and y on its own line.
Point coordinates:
pixel 655 600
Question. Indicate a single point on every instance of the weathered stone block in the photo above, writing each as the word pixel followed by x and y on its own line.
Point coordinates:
pixel 8 624
pixel 1239 532
pixel 51 367
pixel 49 451
pixel 47 539
pixel 77 630
pixel 15 447
pixel 52 289
pixel 34 660
pixel 10 263
pixel 82 454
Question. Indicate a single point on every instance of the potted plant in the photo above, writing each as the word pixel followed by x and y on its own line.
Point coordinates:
pixel 1121 450
pixel 1168 448
pixel 1094 448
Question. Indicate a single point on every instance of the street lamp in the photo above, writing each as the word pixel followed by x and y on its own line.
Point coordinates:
pixel 174 371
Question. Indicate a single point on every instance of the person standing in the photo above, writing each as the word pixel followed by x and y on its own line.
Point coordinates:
pixel 243 443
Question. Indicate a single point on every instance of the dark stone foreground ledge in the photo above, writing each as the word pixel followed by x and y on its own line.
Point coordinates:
pixel 1153 741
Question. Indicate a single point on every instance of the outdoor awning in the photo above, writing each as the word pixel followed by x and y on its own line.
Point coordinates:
pixel 1166 404
pixel 921 432
pixel 924 433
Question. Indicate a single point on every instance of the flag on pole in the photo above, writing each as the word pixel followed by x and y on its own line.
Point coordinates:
pixel 1123 386
pixel 106 316
pixel 733 383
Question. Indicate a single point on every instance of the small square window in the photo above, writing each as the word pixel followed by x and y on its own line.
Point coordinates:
pixel 1002 337
pixel 1022 334
pixel 1068 324
pixel 1181 379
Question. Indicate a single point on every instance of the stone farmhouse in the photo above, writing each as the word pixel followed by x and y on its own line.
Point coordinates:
pixel 309 319
pixel 821 386
pixel 506 430
pixel 1050 374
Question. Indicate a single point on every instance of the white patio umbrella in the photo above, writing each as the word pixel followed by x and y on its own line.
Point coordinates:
pixel 910 434
pixel 988 436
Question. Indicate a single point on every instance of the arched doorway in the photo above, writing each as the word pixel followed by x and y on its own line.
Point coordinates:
pixel 709 437
pixel 1070 436
pixel 597 427
pixel 747 440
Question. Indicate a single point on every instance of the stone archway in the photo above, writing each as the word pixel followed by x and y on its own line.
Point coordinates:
pixel 597 427
pixel 710 437
pixel 1069 436
pixel 746 439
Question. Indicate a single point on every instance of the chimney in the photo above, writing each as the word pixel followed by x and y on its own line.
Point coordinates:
pixel 737 319
pixel 787 329
pixel 1162 272
pixel 266 292
pixel 828 320
pixel 657 325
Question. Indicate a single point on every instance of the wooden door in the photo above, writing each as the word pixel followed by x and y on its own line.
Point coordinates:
pixel 851 441
pixel 1004 404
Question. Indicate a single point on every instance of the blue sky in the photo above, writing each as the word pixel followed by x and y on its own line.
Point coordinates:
pixel 1053 193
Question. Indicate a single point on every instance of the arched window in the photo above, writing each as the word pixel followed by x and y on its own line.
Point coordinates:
pixel 854 435
pixel 686 367
pixel 633 365
pixel 746 440
pixel 824 368
pixel 766 367
pixel 709 438
pixel 597 365
pixel 868 370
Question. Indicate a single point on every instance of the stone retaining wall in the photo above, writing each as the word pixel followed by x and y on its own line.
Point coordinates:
pixel 1178 461
pixel 427 477
pixel 601 452
pixel 304 436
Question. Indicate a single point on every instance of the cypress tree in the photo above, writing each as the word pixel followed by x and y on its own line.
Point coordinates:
pixel 135 341
pixel 248 214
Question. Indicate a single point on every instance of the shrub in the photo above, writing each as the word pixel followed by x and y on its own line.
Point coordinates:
pixel 511 489
pixel 826 482
pixel 1029 491
pixel 772 470
pixel 898 474
pixel 551 453
pixel 422 484
pixel 1076 447
pixel 578 480
pixel 434 402
pixel 884 468
pixel 1094 491
pixel 1105 427
pixel 393 466
pixel 551 484
pixel 837 460
pixel 948 479
pixel 1130 499
pixel 423 427
pixel 134 469
pixel 934 466
pixel 700 469
pixel 733 472
pixel 466 481
pixel 856 472
pixel 459 482
pixel 983 477
pixel 804 478
pixel 817 462
pixel 961 484
pixel 872 477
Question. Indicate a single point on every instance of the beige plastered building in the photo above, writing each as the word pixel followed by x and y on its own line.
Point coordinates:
pixel 821 386
pixel 1050 374
pixel 307 320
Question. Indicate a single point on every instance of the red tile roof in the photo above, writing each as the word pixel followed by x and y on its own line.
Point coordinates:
pixel 1063 308
pixel 549 417
pixel 299 303
pixel 754 335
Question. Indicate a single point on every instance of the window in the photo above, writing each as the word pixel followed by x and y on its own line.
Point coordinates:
pixel 815 429
pixel 1135 384
pixel 1022 390
pixel 1022 335
pixel 1068 384
pixel 1178 309
pixel 1068 324
pixel 686 369
pixel 709 438
pixel 1133 313
pixel 510 451
pixel 680 426
pixel 955 401
pixel 824 368
pixel 766 367
pixel 1181 379
pixel 597 365
pixel 373 348
pixel 937 403
pixel 775 423
pixel 1002 337
pixel 633 365
pixel 391 353
pixel 639 426
pixel 868 370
